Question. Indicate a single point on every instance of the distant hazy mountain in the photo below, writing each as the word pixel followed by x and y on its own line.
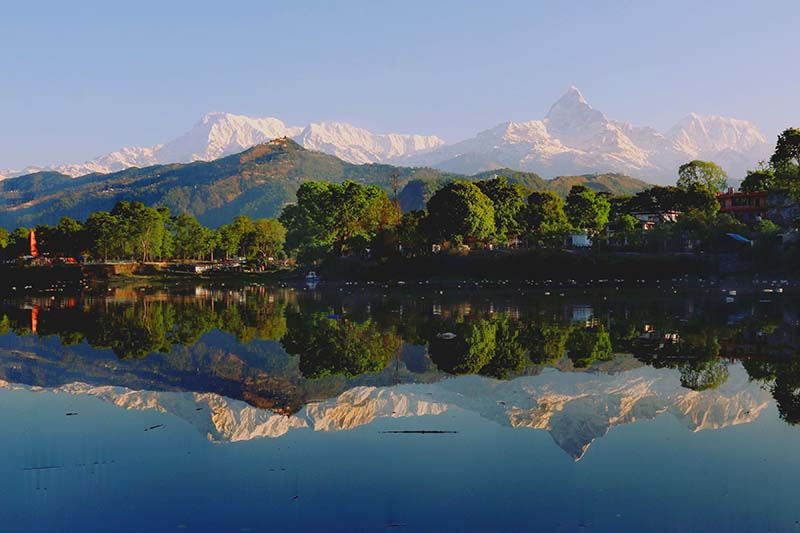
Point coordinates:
pixel 220 134
pixel 576 408
pixel 572 139
pixel 575 138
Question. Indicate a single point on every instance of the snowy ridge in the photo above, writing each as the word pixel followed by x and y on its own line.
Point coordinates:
pixel 574 138
pixel 217 135
pixel 575 408
pixel 357 145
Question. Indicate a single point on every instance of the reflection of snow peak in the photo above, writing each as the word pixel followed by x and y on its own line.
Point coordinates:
pixel 575 408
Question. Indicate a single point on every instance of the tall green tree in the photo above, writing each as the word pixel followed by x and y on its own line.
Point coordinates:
pixel 410 232
pixel 507 199
pixel 268 237
pixel 469 351
pixel 758 180
pixel 143 228
pixel 786 160
pixel 67 238
pixel 586 210
pixel 191 240
pixel 705 174
pixel 103 232
pixel 460 210
pixel 330 218
pixel 543 219
pixel 18 243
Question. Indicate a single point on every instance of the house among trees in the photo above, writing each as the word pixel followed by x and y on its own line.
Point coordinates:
pixel 649 220
pixel 747 207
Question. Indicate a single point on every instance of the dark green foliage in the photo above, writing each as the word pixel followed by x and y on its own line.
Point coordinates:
pixel 616 184
pixel 758 180
pixel 460 210
pixel 587 345
pixel 586 210
pixel 529 181
pixel 470 351
pixel 507 199
pixel 785 162
pixel 702 174
pixel 329 218
pixel 543 220
pixel 337 346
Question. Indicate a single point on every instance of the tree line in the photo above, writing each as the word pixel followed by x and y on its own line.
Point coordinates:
pixel 134 231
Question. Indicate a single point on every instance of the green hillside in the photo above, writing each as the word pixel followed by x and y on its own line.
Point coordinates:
pixel 616 184
pixel 257 182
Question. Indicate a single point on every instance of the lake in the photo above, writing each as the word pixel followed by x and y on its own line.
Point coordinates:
pixel 362 407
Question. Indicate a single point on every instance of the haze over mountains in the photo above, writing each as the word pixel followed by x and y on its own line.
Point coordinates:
pixel 573 138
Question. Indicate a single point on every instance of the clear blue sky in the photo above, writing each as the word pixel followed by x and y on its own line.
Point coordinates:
pixel 84 78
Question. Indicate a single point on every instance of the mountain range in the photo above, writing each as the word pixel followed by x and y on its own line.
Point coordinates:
pixel 217 135
pixel 257 182
pixel 573 138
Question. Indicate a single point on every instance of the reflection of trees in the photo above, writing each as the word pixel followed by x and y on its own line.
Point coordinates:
pixel 783 379
pixel 548 343
pixel 252 320
pixel 492 347
pixel 587 345
pixel 331 346
pixel 509 353
pixel 703 375
pixel 469 351
pixel 141 326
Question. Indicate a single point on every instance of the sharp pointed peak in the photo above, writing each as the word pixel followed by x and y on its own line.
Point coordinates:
pixel 573 94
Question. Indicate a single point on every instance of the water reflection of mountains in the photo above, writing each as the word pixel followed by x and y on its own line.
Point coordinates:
pixel 281 349
pixel 575 408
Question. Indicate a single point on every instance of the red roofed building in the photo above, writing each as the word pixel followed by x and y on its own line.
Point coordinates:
pixel 744 206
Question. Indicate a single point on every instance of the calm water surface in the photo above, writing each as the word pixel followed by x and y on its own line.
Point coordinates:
pixel 363 408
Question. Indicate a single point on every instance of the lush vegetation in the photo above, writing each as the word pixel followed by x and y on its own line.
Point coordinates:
pixel 134 231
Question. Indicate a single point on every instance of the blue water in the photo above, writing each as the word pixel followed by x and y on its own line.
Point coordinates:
pixel 234 411
pixel 101 471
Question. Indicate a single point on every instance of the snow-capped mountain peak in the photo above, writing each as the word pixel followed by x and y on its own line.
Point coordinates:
pixel 220 134
pixel 358 145
pixel 707 133
pixel 572 112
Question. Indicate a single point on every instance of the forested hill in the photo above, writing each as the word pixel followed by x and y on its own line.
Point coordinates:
pixel 257 182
